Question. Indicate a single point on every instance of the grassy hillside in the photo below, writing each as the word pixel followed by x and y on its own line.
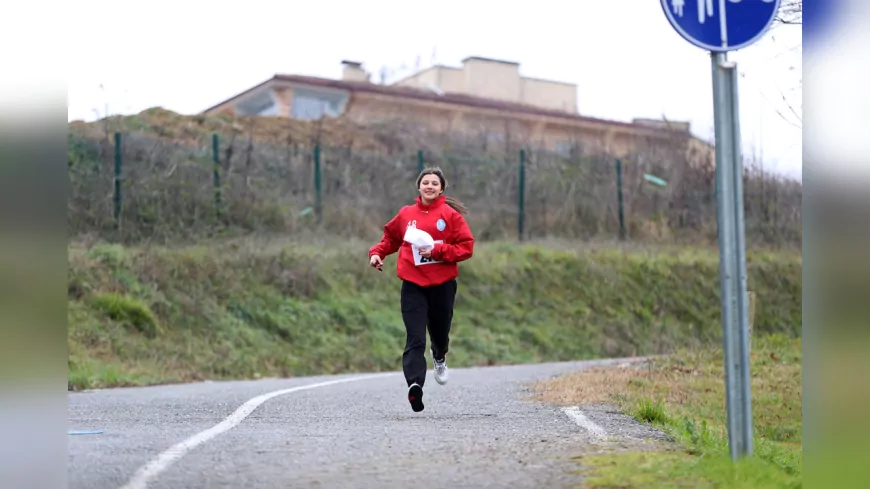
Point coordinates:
pixel 243 310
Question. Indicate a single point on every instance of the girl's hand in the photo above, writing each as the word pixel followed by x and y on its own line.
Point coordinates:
pixel 426 253
pixel 376 262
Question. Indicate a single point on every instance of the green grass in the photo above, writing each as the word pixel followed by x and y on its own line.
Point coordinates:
pixel 650 412
pixel 239 309
pixel 690 406
pixel 127 311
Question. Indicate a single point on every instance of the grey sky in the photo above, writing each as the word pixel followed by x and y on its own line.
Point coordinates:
pixel 625 58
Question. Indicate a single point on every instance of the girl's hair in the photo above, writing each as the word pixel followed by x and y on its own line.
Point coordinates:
pixel 452 202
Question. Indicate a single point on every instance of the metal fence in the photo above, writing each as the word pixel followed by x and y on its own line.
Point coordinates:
pixel 133 187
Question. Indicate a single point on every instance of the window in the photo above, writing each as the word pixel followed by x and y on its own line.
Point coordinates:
pixel 272 109
pixel 311 104
pixel 260 104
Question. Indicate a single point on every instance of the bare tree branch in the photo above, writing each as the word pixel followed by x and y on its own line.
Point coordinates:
pixel 790 14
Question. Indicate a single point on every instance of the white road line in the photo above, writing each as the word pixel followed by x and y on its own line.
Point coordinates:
pixel 164 460
pixel 575 414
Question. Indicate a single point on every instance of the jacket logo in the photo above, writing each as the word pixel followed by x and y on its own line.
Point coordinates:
pixel 441 225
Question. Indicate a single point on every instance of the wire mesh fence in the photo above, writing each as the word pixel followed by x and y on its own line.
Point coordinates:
pixel 146 187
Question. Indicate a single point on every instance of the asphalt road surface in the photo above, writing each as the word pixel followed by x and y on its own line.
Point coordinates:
pixel 347 431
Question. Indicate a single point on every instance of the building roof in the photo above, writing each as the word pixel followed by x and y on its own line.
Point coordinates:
pixel 450 98
pixel 491 60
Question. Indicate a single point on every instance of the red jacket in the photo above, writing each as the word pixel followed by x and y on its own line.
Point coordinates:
pixel 453 242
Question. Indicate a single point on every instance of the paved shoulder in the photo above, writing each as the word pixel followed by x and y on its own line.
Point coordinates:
pixel 477 431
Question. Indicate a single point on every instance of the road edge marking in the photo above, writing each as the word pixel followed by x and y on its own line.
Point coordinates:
pixel 578 417
pixel 169 456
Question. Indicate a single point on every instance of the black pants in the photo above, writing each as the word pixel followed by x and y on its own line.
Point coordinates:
pixel 422 307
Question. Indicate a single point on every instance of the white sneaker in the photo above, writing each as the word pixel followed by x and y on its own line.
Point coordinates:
pixel 441 374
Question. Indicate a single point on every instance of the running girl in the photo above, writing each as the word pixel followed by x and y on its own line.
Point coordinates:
pixel 428 276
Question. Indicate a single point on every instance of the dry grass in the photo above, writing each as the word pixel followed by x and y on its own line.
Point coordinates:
pixel 684 396
pixel 192 131
pixel 592 386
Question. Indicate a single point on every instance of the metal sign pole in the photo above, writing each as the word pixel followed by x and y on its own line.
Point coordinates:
pixel 720 27
pixel 732 259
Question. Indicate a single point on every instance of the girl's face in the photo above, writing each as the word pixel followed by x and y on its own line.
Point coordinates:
pixel 430 188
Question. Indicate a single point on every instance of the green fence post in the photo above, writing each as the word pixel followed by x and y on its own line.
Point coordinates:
pixel 317 185
pixel 419 161
pixel 215 146
pixel 521 202
pixel 619 200
pixel 117 180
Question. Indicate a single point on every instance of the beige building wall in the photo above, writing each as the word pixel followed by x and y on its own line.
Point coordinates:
pixel 373 108
pixel 422 79
pixel 451 79
pixel 443 77
pixel 549 95
pixel 499 80
pixel 549 133
pixel 495 80
pixel 284 95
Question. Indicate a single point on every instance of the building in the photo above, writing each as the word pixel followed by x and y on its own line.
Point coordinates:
pixel 484 97
pixel 498 80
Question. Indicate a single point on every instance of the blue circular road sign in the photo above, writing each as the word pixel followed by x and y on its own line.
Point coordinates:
pixel 721 25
